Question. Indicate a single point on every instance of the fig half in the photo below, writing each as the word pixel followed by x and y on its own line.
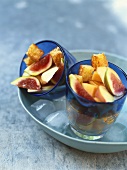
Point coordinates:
pixel 40 66
pixel 113 83
pixel 28 82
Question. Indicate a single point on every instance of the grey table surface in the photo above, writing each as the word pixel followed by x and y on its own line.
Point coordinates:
pixel 75 24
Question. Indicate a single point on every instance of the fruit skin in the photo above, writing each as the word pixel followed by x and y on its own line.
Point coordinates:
pixel 47 75
pixel 113 83
pixel 28 82
pixel 58 74
pixel 103 95
pixel 40 66
pixel 78 88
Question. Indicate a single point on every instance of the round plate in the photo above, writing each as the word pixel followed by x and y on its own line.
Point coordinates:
pixel 115 139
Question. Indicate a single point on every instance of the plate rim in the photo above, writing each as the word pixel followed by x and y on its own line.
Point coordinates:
pixel 69 137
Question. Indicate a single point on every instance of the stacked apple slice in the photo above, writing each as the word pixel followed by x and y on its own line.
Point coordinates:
pixel 102 86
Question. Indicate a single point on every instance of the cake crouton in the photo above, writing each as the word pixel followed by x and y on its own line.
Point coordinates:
pixel 34 52
pixel 57 56
pixel 86 72
pixel 28 61
pixel 99 60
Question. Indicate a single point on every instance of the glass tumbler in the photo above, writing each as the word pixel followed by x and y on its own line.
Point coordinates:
pixel 91 120
pixel 59 88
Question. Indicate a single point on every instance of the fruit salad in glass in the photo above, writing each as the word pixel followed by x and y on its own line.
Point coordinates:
pixel 96 92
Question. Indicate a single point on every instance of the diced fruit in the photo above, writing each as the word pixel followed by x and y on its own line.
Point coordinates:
pixel 113 83
pixel 96 77
pixel 91 89
pixel 78 88
pixel 28 82
pixel 97 83
pixel 47 75
pixel 58 74
pixel 86 72
pixel 103 95
pixel 101 71
pixel 40 66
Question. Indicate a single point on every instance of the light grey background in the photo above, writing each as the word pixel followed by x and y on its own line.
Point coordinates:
pixel 75 24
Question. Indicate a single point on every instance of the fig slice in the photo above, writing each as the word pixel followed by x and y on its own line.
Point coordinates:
pixel 47 75
pixel 28 82
pixel 113 83
pixel 58 74
pixel 78 88
pixel 40 66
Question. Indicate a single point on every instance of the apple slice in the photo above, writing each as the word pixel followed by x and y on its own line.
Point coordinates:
pixel 90 88
pixel 47 75
pixel 78 88
pixel 103 95
pixel 101 71
pixel 113 83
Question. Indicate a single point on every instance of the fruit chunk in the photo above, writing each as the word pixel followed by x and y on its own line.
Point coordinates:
pixel 96 77
pixel 103 95
pixel 86 72
pixel 78 88
pixel 28 82
pixel 58 74
pixel 47 75
pixel 97 83
pixel 40 66
pixel 113 83
pixel 99 60
pixel 101 71
pixel 90 88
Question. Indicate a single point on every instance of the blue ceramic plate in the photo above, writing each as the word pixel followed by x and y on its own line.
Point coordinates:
pixel 55 122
